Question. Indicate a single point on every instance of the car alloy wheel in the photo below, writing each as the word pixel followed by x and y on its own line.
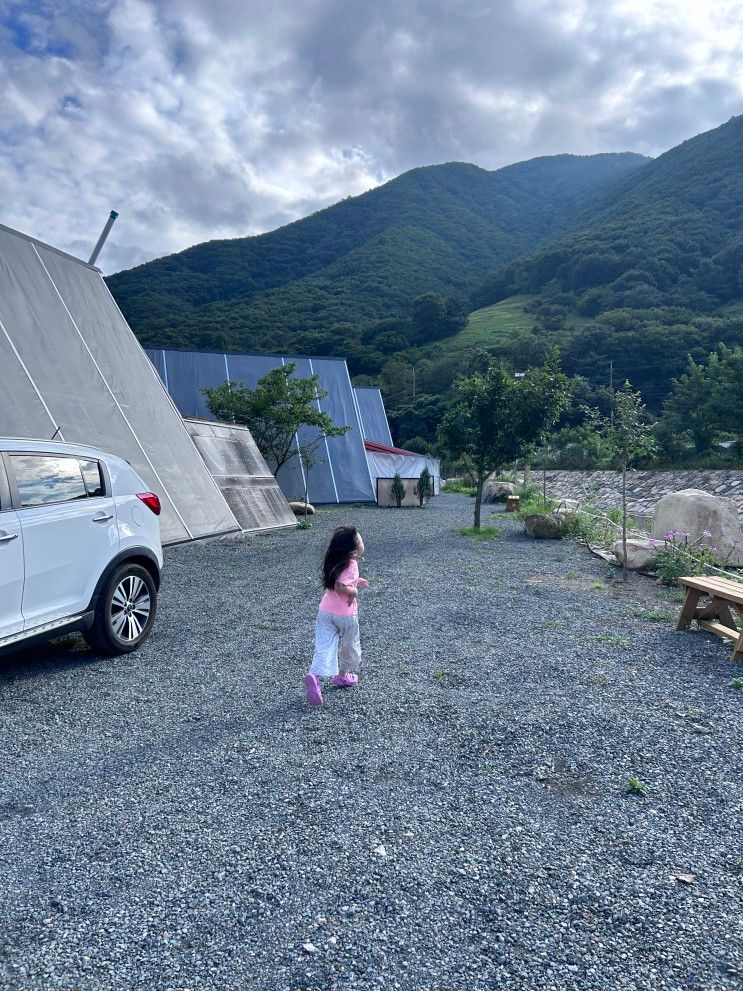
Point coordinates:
pixel 130 608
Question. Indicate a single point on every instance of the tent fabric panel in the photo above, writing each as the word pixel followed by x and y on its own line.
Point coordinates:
pixel 347 454
pixel 320 479
pixel 55 354
pixel 129 374
pixel 22 412
pixel 157 357
pixel 248 368
pixel 373 416
pixel 234 453
pixel 387 465
pixel 258 507
pixel 243 477
pixel 188 372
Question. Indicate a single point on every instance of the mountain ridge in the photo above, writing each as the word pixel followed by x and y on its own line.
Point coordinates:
pixel 435 227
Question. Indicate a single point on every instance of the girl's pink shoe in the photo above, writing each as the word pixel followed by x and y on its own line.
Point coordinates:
pixel 312 688
pixel 345 681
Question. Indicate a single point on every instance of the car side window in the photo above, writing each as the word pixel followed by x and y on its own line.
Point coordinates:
pixel 93 477
pixel 46 478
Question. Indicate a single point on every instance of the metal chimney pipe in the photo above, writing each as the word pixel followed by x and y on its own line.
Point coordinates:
pixel 102 239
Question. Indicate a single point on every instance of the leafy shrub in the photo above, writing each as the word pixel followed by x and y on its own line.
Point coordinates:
pixel 397 490
pixel 680 555
pixel 529 493
pixel 457 486
pixel 424 486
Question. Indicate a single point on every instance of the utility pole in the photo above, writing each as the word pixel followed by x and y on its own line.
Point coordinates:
pixel 611 389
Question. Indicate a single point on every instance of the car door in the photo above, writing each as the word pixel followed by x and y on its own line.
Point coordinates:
pixel 11 563
pixel 68 525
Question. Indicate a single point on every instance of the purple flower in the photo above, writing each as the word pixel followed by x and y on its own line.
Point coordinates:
pixel 706 534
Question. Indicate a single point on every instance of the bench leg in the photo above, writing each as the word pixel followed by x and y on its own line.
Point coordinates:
pixel 716 608
pixel 688 609
pixel 737 654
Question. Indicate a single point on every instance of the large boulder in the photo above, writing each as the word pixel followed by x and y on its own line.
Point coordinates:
pixel 298 508
pixel 641 554
pixel 708 518
pixel 543 526
pixel 498 491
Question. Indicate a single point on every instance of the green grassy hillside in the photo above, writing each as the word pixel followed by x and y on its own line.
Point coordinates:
pixel 495 326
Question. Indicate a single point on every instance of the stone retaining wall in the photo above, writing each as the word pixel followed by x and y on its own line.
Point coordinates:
pixel 644 488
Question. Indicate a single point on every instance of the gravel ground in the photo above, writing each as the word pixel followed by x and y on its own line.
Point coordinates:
pixel 179 820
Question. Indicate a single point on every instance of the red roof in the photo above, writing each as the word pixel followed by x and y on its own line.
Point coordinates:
pixel 373 445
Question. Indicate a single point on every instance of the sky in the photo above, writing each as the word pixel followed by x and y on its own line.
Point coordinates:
pixel 202 119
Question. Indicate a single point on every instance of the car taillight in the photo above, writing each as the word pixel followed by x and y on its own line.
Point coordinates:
pixel 151 501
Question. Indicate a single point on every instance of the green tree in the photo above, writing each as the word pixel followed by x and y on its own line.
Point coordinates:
pixel 424 486
pixel 629 438
pixel 496 418
pixel 311 456
pixel 706 401
pixel 434 317
pixel 397 490
pixel 274 411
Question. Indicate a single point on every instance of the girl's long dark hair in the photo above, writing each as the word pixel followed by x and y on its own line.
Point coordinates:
pixel 341 547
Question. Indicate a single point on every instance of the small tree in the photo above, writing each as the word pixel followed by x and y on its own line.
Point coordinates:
pixel 274 411
pixel 424 486
pixel 629 437
pixel 310 456
pixel 496 418
pixel 397 490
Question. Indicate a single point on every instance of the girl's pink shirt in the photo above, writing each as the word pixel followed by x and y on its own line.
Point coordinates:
pixel 337 604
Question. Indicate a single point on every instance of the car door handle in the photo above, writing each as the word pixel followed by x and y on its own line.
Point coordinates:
pixel 6 537
pixel 102 518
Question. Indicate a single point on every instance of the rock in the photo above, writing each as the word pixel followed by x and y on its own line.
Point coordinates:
pixel 544 527
pixel 641 554
pixel 381 850
pixel 498 491
pixel 696 512
pixel 298 508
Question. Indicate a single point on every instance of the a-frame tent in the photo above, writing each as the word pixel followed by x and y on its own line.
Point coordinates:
pixel 71 369
pixel 342 476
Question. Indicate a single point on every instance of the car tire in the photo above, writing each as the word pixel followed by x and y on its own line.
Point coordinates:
pixel 125 612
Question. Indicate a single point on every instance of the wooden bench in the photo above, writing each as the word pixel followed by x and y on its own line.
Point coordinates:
pixel 717 615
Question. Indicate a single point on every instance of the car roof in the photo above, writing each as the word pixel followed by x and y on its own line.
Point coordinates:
pixel 28 445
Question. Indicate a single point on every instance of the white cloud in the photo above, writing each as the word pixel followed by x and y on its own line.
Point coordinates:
pixel 215 118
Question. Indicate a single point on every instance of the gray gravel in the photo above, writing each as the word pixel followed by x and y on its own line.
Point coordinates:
pixel 179 820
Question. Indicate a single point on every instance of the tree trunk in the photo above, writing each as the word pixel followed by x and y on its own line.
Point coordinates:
pixel 478 500
pixel 527 473
pixel 624 520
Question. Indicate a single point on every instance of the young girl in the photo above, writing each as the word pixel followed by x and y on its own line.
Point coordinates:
pixel 337 640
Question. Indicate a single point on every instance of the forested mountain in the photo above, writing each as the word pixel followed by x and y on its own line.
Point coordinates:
pixel 631 266
pixel 670 233
pixel 439 228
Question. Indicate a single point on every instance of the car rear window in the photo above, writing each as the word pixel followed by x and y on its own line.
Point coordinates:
pixel 92 477
pixel 46 478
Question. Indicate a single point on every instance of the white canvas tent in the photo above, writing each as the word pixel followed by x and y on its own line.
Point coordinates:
pixel 342 475
pixel 71 369
pixel 386 462
pixel 384 459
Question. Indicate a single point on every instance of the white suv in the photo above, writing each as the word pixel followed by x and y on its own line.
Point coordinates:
pixel 79 547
